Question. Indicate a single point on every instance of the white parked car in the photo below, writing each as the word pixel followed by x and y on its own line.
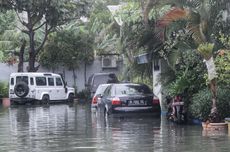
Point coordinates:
pixel 38 87
pixel 97 95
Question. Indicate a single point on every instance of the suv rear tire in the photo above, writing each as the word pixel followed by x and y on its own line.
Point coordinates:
pixel 21 89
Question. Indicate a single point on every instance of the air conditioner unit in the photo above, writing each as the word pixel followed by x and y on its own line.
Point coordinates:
pixel 109 62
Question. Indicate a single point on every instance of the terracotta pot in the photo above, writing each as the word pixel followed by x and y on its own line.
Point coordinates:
pixel 6 102
pixel 214 126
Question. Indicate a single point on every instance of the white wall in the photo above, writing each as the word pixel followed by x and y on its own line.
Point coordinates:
pixel 156 83
pixel 6 70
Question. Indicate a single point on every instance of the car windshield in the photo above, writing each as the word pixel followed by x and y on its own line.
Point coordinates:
pixel 131 89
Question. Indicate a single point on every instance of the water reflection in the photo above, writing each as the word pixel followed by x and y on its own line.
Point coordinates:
pixel 76 128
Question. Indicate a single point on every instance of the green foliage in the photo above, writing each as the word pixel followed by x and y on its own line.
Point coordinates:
pixel 42 17
pixel 187 78
pixel 7 21
pixel 10 38
pixel 140 73
pixel 201 104
pixel 4 89
pixel 84 94
pixel 222 63
pixel 130 13
pixel 206 50
pixel 103 28
pixel 67 48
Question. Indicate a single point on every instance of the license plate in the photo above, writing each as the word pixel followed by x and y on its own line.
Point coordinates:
pixel 137 102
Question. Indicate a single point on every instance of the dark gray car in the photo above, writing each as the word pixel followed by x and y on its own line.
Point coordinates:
pixel 100 78
pixel 129 98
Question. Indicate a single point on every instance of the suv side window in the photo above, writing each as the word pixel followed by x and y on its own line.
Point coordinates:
pixel 31 81
pixel 41 81
pixel 12 81
pixel 51 81
pixel 58 82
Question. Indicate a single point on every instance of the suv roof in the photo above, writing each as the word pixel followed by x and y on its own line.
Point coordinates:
pixel 34 74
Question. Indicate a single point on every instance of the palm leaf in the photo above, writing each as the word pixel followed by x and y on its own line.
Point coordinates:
pixel 195 33
pixel 173 15
pixel 5 45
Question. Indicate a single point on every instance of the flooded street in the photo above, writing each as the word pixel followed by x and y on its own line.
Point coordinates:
pixel 74 127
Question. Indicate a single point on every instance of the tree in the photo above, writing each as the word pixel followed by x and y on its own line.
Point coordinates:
pixel 43 16
pixel 202 18
pixel 103 28
pixel 12 41
pixel 74 46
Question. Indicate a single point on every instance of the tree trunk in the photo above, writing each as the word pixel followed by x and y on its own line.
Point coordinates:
pixel 214 115
pixel 74 80
pixel 32 60
pixel 21 57
pixel 32 54
pixel 85 75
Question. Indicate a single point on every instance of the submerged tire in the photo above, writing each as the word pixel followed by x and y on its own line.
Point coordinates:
pixel 21 89
pixel 45 99
pixel 70 98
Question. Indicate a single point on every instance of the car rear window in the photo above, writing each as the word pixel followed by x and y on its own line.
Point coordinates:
pixel 22 79
pixel 101 89
pixel 132 89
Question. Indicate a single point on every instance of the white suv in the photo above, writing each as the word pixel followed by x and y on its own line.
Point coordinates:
pixel 41 87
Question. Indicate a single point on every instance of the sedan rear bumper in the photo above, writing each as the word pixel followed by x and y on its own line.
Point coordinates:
pixel 148 109
pixel 127 109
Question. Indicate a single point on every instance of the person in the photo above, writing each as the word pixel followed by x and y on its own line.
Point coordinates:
pixel 178 112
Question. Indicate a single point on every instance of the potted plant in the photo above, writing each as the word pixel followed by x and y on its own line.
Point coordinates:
pixel 200 109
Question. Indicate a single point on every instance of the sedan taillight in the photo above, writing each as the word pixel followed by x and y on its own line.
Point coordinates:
pixel 116 101
pixel 156 101
pixel 94 100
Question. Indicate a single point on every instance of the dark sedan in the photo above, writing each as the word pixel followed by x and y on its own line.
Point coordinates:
pixel 129 98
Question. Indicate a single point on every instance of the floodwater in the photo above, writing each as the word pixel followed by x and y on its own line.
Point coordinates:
pixel 75 128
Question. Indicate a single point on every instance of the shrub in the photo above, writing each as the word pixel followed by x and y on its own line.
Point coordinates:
pixel 201 104
pixel 84 94
pixel 4 89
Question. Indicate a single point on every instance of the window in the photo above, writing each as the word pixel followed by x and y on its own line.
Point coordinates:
pixel 41 81
pixel 31 81
pixel 58 82
pixel 107 91
pixel 51 81
pixel 12 81
pixel 22 79
pixel 132 89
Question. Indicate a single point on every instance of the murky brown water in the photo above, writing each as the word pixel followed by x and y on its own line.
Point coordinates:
pixel 67 128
